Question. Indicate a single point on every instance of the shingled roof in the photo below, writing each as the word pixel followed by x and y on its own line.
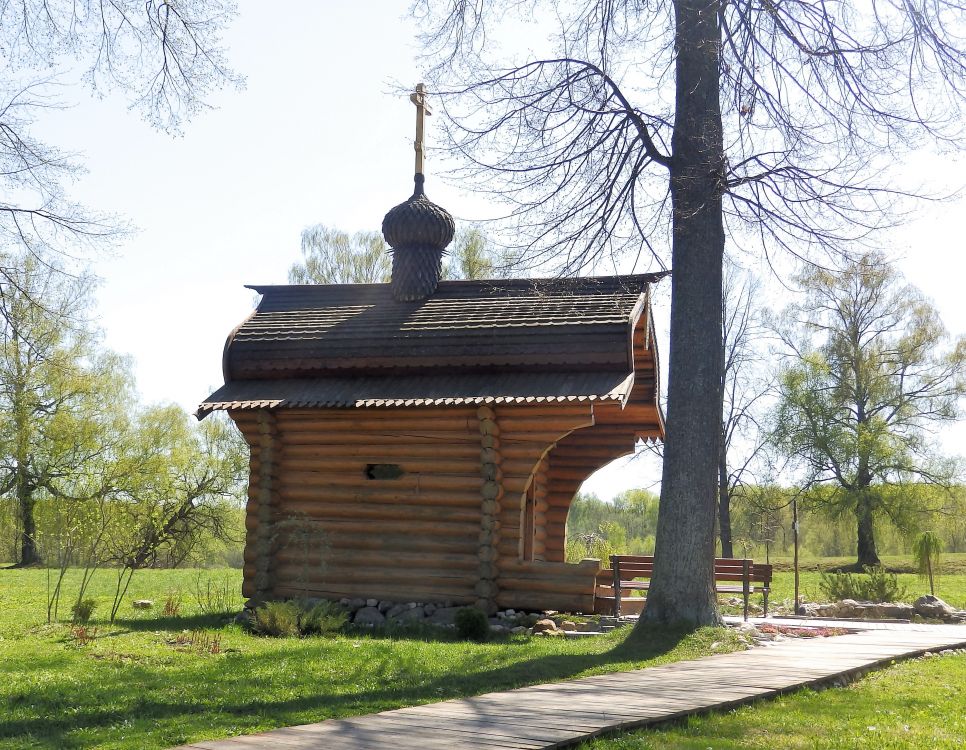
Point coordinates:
pixel 470 342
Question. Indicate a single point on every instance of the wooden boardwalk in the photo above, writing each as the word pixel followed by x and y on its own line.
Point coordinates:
pixel 561 714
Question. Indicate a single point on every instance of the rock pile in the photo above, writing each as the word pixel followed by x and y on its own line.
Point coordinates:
pixel 928 607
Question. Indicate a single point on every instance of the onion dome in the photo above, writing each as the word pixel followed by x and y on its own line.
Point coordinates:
pixel 418 232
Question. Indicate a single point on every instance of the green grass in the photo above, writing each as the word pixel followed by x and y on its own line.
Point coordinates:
pixel 950 584
pixel 914 705
pixel 136 687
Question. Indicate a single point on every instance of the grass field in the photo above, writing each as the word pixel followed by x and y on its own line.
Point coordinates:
pixel 152 682
pixel 911 706
pixel 950 584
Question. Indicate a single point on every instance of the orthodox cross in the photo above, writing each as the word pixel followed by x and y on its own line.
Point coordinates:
pixel 422 108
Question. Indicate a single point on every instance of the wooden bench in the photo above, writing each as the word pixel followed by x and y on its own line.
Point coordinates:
pixel 731 576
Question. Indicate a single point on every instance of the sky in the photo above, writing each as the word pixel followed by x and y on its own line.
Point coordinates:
pixel 322 133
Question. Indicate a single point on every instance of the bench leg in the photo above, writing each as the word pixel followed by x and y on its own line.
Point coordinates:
pixel 765 601
pixel 746 584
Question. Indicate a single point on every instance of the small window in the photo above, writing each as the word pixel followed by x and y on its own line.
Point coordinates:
pixel 384 471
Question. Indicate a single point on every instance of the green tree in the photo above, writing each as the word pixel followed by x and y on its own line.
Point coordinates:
pixel 176 484
pixel 926 550
pixel 642 119
pixel 59 394
pixel 870 374
pixel 333 257
pixel 330 256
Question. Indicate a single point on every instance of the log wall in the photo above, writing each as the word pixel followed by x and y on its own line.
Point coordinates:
pixel 448 528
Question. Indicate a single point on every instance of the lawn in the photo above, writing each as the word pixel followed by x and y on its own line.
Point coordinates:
pixel 950 584
pixel 149 681
pixel 914 705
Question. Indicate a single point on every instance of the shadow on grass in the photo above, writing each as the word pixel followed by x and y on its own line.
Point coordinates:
pixel 177 623
pixel 225 694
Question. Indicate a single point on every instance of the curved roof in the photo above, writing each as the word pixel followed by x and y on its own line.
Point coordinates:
pixel 354 344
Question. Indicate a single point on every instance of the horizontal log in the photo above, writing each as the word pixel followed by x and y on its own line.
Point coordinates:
pixel 386 512
pixel 459 595
pixel 393 436
pixel 374 423
pixel 525 568
pixel 512 443
pixel 340 494
pixel 444 531
pixel 351 465
pixel 427 577
pixel 336 560
pixel 514 429
pixel 530 452
pixel 383 452
pixel 602 439
pixel 379 544
pixel 516 411
pixel 561 586
pixel 557 514
pixel 406 481
pixel 293 416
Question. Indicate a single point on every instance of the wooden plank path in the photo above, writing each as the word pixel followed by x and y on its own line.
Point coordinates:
pixel 564 713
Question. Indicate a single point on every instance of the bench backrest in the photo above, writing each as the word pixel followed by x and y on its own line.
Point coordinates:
pixel 761 573
pixel 629 567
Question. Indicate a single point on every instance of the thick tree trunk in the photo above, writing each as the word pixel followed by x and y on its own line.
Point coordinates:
pixel 867 555
pixel 724 503
pixel 682 588
pixel 29 554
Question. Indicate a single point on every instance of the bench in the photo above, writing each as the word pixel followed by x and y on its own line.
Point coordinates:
pixel 731 576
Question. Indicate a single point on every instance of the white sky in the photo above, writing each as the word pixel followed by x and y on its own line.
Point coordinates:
pixel 320 135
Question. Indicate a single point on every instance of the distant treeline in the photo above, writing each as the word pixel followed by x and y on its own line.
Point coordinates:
pixel 761 520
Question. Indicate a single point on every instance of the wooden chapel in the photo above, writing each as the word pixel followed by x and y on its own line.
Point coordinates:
pixel 422 440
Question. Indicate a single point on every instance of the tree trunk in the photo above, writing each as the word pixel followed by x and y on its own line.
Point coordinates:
pixel 724 503
pixel 29 554
pixel 682 588
pixel 867 555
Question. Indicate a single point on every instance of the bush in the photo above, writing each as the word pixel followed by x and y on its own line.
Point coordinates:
pixel 875 585
pixel 472 623
pixel 83 610
pixel 324 617
pixel 291 618
pixel 277 619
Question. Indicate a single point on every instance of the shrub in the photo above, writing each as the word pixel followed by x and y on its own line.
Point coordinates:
pixel 278 619
pixel 472 623
pixel 875 585
pixel 286 619
pixel 83 610
pixel 324 617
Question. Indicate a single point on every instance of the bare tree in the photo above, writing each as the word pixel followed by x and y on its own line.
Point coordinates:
pixel 165 56
pixel 776 117
pixel 745 383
